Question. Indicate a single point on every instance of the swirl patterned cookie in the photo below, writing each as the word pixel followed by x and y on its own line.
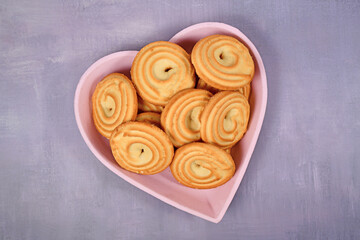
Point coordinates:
pixel 148 107
pixel 224 119
pixel 201 84
pixel 245 90
pixel 141 148
pixel 223 62
pixel 160 70
pixel 181 116
pixel 149 117
pixel 202 165
pixel 114 101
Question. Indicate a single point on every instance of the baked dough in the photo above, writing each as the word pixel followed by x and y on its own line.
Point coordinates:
pixel 141 148
pixel 224 119
pixel 160 70
pixel 148 107
pixel 245 90
pixel 114 101
pixel 202 165
pixel 149 117
pixel 181 116
pixel 228 150
pixel 223 62
pixel 201 84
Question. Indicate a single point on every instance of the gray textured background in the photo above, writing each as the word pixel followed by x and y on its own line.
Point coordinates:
pixel 303 180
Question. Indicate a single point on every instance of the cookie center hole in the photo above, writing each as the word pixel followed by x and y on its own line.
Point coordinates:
pixel 221 56
pixel 141 152
pixel 168 69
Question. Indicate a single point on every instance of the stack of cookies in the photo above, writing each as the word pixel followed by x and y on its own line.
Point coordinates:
pixel 196 104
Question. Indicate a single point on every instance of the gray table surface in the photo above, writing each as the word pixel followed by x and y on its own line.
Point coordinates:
pixel 303 181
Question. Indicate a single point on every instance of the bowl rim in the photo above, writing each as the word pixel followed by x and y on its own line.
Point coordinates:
pixel 252 143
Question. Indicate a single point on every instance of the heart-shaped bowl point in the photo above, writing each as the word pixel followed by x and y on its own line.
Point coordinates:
pixel 210 204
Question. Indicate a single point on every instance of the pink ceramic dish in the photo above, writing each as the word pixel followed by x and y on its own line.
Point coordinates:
pixel 208 204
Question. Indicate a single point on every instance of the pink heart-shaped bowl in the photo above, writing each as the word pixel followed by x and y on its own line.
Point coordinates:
pixel 208 204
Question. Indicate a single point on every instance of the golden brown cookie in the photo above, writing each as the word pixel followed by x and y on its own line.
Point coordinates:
pixel 245 90
pixel 201 84
pixel 225 118
pixel 223 62
pixel 114 101
pixel 141 148
pixel 181 116
pixel 149 117
pixel 148 107
pixel 202 165
pixel 161 69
